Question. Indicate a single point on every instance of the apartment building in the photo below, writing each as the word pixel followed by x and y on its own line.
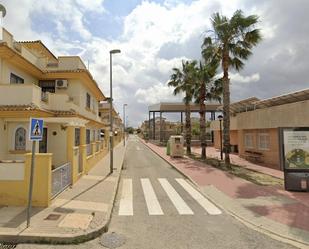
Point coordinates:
pixel 61 91
pixel 118 128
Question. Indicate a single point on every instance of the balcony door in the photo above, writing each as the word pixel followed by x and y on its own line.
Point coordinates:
pixel 47 86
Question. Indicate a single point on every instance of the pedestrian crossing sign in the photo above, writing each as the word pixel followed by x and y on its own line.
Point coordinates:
pixel 36 129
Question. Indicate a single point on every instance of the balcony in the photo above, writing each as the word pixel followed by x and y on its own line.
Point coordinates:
pixel 26 94
pixel 20 94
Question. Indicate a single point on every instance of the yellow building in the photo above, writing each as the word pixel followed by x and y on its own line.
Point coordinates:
pixel 35 83
pixel 104 112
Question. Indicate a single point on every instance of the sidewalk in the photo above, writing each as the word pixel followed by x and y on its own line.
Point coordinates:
pixel 235 159
pixel 271 210
pixel 78 214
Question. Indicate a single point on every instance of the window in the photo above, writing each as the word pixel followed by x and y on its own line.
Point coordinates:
pixel 99 135
pixel 77 136
pixel 14 79
pixel 88 100
pixel 87 136
pixel 249 140
pixel 20 139
pixel 264 141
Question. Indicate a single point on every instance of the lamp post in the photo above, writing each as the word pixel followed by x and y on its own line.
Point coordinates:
pixel 114 51
pixel 220 117
pixel 124 124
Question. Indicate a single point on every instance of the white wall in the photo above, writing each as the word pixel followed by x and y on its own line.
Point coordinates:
pixel 8 68
pixel 7 140
pixel 12 171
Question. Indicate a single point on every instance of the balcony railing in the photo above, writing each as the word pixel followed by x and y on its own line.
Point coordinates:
pixel 89 149
pixel 44 96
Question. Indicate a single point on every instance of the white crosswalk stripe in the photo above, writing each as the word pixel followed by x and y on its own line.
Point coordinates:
pixel 206 204
pixel 126 201
pixel 175 198
pixel 152 202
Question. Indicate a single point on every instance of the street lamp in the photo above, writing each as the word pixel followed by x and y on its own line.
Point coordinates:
pixel 114 51
pixel 220 117
pixel 124 124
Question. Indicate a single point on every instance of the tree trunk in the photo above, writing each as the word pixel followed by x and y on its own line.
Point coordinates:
pixel 188 129
pixel 226 108
pixel 202 121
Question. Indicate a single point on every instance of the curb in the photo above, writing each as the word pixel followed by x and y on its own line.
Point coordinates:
pixel 76 238
pixel 248 223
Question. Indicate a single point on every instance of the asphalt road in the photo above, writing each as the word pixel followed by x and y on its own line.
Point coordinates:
pixel 157 208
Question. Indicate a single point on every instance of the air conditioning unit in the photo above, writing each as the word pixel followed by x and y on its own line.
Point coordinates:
pixel 61 83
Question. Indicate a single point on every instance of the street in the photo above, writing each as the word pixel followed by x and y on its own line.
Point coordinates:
pixel 156 207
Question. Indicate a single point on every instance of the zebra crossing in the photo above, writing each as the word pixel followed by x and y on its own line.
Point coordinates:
pixel 126 206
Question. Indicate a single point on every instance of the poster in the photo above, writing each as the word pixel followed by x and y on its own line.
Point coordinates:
pixel 296 149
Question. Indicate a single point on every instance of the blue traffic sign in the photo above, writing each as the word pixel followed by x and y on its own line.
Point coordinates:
pixel 36 129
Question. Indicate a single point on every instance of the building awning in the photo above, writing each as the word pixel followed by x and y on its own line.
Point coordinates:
pixel 67 121
pixel 254 103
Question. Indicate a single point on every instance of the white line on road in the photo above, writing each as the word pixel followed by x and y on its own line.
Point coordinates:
pixel 206 204
pixel 126 201
pixel 152 202
pixel 178 202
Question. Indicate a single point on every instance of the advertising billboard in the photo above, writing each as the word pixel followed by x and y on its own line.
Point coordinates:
pixel 296 149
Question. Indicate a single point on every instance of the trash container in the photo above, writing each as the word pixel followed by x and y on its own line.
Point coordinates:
pixel 176 146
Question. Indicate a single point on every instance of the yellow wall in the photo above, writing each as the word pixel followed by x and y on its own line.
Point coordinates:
pixel 57 144
pixel 15 193
pixel 270 156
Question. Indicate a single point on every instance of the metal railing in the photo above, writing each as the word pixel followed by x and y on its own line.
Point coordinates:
pixel 89 149
pixel 98 147
pixel 44 96
pixel 61 179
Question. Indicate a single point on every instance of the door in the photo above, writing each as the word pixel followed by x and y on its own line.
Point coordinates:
pixel 43 143
pixel 80 155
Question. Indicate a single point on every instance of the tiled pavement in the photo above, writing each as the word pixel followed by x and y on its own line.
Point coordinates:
pixel 78 213
pixel 235 159
pixel 285 214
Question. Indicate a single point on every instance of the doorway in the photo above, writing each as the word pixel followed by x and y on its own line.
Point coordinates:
pixel 43 143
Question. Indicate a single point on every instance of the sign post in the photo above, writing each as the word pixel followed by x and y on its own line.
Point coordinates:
pixel 35 134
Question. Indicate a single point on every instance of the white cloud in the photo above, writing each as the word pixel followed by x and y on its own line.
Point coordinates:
pixel 238 78
pixel 155 94
pixel 155 38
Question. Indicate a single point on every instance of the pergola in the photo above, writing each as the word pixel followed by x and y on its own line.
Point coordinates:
pixel 179 107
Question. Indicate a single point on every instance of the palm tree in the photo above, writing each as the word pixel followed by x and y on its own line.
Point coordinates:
pixel 233 40
pixel 183 81
pixel 206 88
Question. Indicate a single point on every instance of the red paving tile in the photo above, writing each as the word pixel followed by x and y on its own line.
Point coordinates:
pixel 295 215
pixel 235 159
pixel 205 175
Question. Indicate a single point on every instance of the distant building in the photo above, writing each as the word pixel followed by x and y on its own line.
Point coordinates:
pixel 255 125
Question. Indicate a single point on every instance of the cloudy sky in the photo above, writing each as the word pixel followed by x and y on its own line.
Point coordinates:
pixel 154 36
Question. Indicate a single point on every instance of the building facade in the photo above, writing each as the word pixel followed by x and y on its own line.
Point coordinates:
pixel 255 125
pixel 61 91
